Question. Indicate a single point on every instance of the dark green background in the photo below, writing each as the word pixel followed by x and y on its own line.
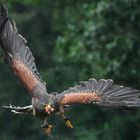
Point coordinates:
pixel 75 40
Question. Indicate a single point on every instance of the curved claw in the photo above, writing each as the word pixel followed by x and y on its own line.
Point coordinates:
pixel 68 123
pixel 47 129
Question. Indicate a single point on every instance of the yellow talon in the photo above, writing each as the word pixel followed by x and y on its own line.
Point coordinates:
pixel 48 130
pixel 68 123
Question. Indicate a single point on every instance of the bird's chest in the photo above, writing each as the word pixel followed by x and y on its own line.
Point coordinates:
pixel 38 109
pixel 39 113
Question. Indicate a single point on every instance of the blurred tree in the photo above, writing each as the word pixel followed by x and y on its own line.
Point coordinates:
pixel 72 41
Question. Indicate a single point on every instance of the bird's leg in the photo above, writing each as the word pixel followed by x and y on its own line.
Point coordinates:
pixel 47 128
pixel 67 120
pixel 20 110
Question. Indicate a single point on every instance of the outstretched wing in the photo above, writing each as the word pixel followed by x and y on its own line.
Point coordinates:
pixel 17 55
pixel 102 92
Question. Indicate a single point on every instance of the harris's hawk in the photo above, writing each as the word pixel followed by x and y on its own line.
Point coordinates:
pixel 21 62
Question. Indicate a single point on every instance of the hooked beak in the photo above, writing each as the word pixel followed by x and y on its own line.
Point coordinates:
pixel 49 109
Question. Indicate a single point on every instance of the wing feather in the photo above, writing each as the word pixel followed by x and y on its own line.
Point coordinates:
pixel 17 54
pixel 102 92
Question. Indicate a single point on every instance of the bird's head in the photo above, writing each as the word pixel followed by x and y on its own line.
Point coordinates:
pixel 44 107
pixel 49 108
pixel 51 105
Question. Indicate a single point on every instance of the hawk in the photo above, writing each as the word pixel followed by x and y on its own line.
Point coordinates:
pixel 43 105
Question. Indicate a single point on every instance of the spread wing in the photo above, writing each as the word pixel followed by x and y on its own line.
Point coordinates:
pixel 17 55
pixel 101 92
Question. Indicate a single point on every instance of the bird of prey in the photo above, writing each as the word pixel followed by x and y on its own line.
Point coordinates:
pixel 21 62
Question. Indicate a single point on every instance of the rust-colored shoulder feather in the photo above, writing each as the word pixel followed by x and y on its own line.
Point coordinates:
pixel 102 92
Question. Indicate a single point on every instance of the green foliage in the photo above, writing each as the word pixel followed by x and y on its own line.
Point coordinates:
pixel 73 41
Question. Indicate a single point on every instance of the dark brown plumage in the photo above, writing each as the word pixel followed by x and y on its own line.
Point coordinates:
pixel 21 61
